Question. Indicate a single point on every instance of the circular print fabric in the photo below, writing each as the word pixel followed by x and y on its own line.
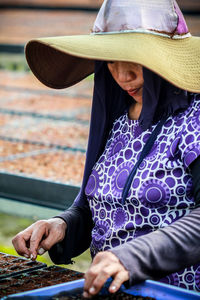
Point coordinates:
pixel 116 146
pixel 154 193
pixel 119 178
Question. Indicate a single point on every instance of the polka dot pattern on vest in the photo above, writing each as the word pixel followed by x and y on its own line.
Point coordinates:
pixel 161 191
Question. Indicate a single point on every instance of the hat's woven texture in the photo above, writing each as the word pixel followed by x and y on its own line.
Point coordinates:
pixel 60 62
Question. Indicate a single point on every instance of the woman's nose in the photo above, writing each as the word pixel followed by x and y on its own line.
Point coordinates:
pixel 125 74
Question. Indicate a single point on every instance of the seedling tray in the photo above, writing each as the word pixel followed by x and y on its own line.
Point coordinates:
pixel 146 290
pixel 13 265
pixel 30 280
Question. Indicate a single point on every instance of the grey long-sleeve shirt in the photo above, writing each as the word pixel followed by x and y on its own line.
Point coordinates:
pixel 164 251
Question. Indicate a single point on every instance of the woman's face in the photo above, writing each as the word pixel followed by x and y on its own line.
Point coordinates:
pixel 129 76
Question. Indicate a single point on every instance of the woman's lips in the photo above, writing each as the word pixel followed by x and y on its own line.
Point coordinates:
pixel 133 92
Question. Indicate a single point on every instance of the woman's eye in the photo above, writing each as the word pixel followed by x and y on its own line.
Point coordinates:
pixel 110 62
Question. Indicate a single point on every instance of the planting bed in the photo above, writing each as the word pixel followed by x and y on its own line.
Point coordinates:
pixel 30 280
pixel 184 4
pixel 87 3
pixel 9 149
pixel 42 24
pixel 57 166
pixel 35 103
pixel 21 82
pixel 5 120
pixel 22 275
pixel 12 265
pixel 45 131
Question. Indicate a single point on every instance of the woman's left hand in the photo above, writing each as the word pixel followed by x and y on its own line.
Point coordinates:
pixel 104 265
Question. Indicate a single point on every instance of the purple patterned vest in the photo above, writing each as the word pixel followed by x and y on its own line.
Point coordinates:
pixel 161 191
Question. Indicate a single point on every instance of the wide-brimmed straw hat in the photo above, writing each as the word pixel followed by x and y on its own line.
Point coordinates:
pixel 152 33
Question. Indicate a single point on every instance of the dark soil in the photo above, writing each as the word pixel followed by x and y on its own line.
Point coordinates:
pixel 116 296
pixel 12 265
pixel 28 281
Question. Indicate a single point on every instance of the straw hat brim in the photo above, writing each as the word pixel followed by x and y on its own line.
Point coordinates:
pixel 60 62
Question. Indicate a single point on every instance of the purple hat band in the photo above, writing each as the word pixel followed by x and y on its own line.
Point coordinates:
pixel 162 17
pixel 182 26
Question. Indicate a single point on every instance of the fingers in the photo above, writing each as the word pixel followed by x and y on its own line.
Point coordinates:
pixel 101 277
pixel 39 237
pixel 56 233
pixel 47 242
pixel 41 251
pixel 39 232
pixel 118 280
pixel 96 278
pixel 20 242
pixel 105 265
pixel 27 241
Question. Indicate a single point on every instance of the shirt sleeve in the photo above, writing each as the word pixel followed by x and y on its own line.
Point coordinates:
pixel 78 235
pixel 163 251
pixel 195 171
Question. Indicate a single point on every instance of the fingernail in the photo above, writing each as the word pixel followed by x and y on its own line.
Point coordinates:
pixel 85 294
pixel 113 288
pixel 41 251
pixel 32 257
pixel 26 255
pixel 92 290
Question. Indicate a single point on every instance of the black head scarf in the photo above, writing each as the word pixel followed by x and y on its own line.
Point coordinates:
pixel 110 101
pixel 160 98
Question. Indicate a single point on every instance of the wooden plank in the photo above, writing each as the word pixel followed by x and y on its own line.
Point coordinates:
pixel 189 5
pixel 193 23
pixel 19 26
pixel 86 3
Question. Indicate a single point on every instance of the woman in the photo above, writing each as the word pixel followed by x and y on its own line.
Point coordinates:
pixel 137 211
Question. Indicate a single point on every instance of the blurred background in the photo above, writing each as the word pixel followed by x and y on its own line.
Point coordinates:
pixel 43 132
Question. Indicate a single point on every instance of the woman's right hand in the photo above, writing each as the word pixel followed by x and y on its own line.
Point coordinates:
pixel 39 237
